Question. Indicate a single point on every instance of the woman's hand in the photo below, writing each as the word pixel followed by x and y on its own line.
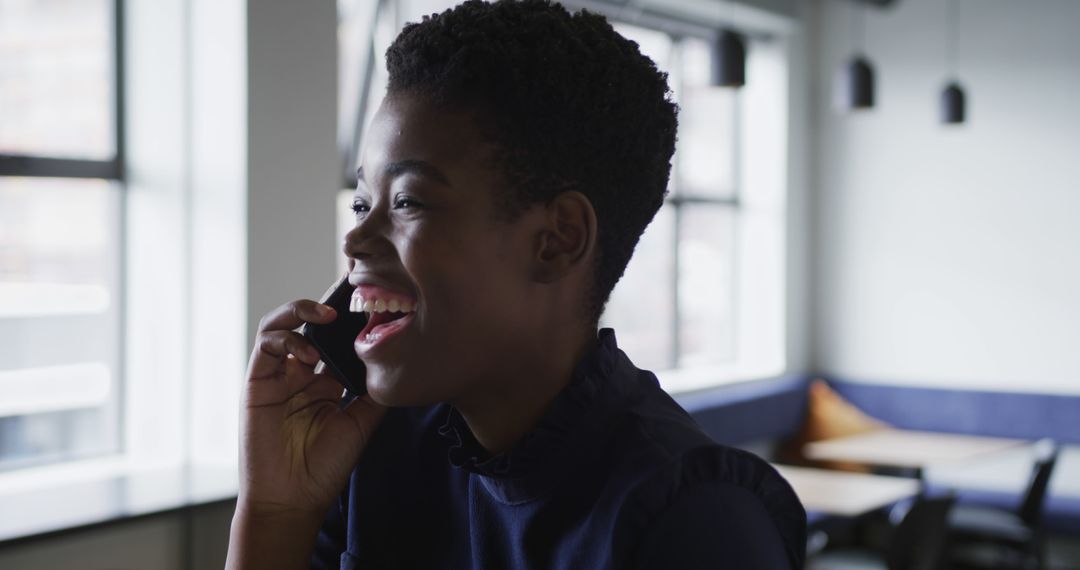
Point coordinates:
pixel 297 448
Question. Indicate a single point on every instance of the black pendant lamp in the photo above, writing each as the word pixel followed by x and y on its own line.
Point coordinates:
pixel 855 81
pixel 857 84
pixel 952 106
pixel 729 60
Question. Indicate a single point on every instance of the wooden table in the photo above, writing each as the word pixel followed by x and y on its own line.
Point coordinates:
pixel 841 493
pixel 904 449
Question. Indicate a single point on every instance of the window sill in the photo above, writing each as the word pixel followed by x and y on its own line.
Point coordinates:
pixel 108 492
pixel 684 381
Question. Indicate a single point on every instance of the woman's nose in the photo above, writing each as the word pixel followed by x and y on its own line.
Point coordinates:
pixel 365 237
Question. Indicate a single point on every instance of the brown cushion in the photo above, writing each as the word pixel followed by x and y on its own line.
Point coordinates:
pixel 828 415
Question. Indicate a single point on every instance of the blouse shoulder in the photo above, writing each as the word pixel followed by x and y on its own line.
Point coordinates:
pixel 705 481
pixel 716 486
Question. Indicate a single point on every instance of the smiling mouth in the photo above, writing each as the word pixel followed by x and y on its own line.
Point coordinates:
pixel 388 313
pixel 382 324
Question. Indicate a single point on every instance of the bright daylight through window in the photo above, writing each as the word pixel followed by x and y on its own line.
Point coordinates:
pixel 60 243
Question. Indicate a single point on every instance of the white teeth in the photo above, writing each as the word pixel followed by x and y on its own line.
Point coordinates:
pixel 359 304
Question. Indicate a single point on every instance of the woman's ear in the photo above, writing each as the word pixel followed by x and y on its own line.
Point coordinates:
pixel 567 239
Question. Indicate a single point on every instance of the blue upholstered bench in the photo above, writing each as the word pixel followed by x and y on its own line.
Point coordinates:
pixel 753 415
pixel 1002 414
pixel 758 415
pixel 994 481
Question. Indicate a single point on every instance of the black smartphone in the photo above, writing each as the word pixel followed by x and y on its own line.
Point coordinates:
pixel 335 339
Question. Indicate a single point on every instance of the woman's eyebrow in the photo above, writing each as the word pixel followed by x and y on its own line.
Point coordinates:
pixel 395 169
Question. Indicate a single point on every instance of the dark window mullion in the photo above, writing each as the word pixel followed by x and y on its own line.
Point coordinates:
pixel 119 71
pixel 682 198
pixel 24 165
pixel 364 98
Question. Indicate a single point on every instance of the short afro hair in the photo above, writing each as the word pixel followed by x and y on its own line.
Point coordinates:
pixel 569 103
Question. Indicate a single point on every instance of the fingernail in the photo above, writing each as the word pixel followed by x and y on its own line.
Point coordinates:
pixel 324 310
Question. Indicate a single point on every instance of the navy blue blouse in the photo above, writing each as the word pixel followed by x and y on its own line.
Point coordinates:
pixel 615 475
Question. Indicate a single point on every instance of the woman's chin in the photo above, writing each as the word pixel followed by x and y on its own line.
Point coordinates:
pixel 391 388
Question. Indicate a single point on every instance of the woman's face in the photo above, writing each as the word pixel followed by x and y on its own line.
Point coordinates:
pixel 427 238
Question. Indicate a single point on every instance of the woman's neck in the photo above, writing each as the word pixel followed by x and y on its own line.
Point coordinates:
pixel 509 406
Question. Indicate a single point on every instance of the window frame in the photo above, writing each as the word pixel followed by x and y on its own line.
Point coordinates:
pixel 34 165
pixel 680 199
pixel 750 360
pixel 351 153
pixel 23 165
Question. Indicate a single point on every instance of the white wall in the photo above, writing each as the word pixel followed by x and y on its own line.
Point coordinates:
pixel 294 167
pixel 800 174
pixel 948 256
pixel 191 539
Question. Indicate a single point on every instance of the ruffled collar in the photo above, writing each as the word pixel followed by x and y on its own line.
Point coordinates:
pixel 572 421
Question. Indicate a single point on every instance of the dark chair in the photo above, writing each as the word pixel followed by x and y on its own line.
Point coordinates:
pixel 1016 534
pixel 917 543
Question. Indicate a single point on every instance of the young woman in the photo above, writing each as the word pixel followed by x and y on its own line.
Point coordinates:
pixel 518 155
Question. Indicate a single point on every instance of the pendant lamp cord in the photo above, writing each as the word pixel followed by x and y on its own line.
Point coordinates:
pixel 858 25
pixel 950 42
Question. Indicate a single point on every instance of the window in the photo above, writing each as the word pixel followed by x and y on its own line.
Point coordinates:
pixel 688 318
pixel 702 300
pixel 60 236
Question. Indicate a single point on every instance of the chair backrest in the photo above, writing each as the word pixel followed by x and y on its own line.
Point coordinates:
pixel 1031 505
pixel 920 540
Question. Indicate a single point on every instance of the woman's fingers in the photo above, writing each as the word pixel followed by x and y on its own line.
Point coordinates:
pixel 291 315
pixel 276 339
pixel 271 348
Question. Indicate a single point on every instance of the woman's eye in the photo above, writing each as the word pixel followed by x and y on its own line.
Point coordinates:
pixel 406 202
pixel 360 208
